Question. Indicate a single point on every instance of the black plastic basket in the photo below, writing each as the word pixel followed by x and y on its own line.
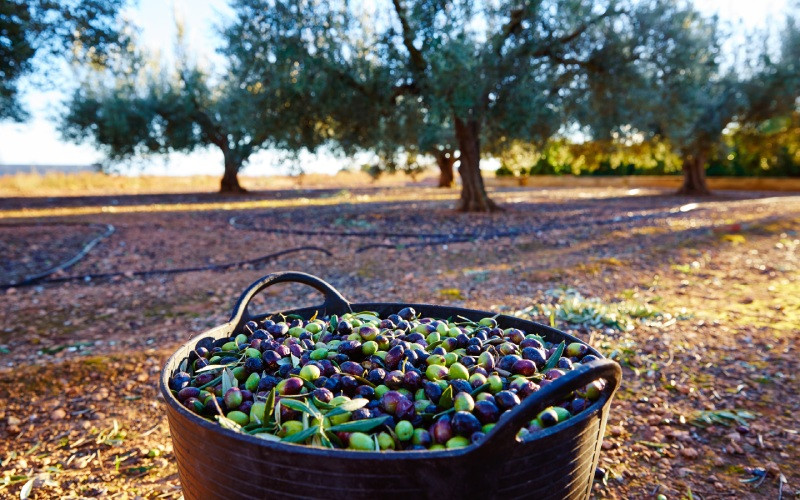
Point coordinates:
pixel 558 463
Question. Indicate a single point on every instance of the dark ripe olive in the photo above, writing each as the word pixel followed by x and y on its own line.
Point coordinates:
pixel 480 371
pixel 390 400
pixel 412 380
pixel 545 382
pixel 295 371
pixel 415 337
pixel 516 336
pixel 344 327
pixel 245 407
pixel 531 343
pixel 233 398
pixel 250 326
pixel 473 350
pixel 323 394
pixel 212 404
pixel 204 378
pixel 204 343
pixel 432 391
pixel 403 325
pixel 405 409
pixel 221 342
pixel 577 405
pixel 564 364
pixel 495 332
pixel 291 386
pixel 465 423
pixel 351 348
pixel 247 395
pixel 589 358
pixel 467 361
pixel 524 367
pixel 393 318
pixel 278 329
pixel 361 414
pixel 227 360
pixel 477 437
pixel 553 374
pixel 349 385
pixel 407 313
pixel 373 405
pixel 460 385
pixel 333 384
pixel 179 381
pixel 320 381
pixel 282 350
pixel 261 334
pixel 188 392
pixel 548 417
pixel 253 365
pixel 462 339
pixel 327 367
pixel 296 323
pixel 486 412
pixel 411 357
pixel 256 344
pixel 267 323
pixel 267 382
pixel 387 324
pixel 507 362
pixel 441 431
pixel 202 352
pixel 536 355
pixel 352 368
pixel 365 391
pixel 526 389
pixel 288 414
pixel 422 356
pixel 376 375
pixel 340 358
pixel 506 400
pixel 305 339
pixel 296 350
pixel 394 355
pixel 394 379
pixel 421 437
pixel 439 350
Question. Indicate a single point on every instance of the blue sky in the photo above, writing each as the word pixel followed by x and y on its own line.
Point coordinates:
pixel 37 142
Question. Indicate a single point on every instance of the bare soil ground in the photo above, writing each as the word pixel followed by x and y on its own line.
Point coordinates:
pixel 715 283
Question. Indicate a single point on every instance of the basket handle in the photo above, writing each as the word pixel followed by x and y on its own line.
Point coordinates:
pixel 504 434
pixel 333 299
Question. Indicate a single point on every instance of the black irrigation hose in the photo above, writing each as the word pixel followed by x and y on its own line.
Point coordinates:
pixel 179 270
pixel 35 278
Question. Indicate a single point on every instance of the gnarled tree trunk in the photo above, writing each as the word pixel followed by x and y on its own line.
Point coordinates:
pixel 694 174
pixel 230 180
pixel 473 192
pixel 445 160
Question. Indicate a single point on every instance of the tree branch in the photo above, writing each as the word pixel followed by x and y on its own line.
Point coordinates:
pixel 418 63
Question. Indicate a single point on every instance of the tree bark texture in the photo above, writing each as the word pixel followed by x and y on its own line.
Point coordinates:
pixel 473 192
pixel 694 174
pixel 230 180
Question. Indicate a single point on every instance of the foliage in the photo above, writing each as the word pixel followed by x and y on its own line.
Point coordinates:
pixel 32 31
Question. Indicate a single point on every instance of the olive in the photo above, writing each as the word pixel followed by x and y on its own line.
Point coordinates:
pixel 352 368
pixel 526 389
pixel 463 402
pixel 253 365
pixel 360 414
pixel 531 342
pixel 344 327
pixel 535 354
pixel 476 380
pixel 290 386
pixel 394 356
pixel 365 391
pixel 239 417
pixel 421 437
pixel 323 395
pixel 270 359
pixel 278 329
pixel 576 349
pixel 390 400
pixel 589 358
pixel 486 412
pixel 515 335
pixel 188 392
pixel 407 313
pixel 204 378
pixel 404 430
pixel 349 384
pixel 179 381
pixel 233 398
pixel 577 405
pixel 548 417
pixel 432 391
pixel 368 332
pixel 506 400
pixel 252 382
pixel 507 362
pixel 436 372
pixel 441 431
pixel 458 371
pixel 267 382
pixel 524 367
pixel 486 361
pixel 457 442
pixel 282 350
pixel 405 409
pixel 459 386
pixel 376 375
pixel 495 383
pixel 553 374
pixel 386 441
pixel 245 407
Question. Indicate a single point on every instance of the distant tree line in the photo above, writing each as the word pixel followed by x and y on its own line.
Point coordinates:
pixel 448 82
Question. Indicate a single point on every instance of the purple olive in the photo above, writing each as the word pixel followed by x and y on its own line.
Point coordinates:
pixel 441 431
pixel 531 343
pixel 352 368
pixel 233 398
pixel 405 409
pixel 486 412
pixel 507 362
pixel 394 379
pixel 390 400
pixel 534 354
pixel 506 400
pixel 412 380
pixel 524 367
pixel 465 423
pixel 394 355
pixel 179 381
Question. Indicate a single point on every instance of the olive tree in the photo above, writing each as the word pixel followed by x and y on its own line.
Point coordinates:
pixel 34 33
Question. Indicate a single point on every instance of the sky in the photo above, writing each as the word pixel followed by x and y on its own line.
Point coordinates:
pixel 37 141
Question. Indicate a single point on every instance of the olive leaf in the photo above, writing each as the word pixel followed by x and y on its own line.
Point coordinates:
pixel 479 389
pixel 348 406
pixel 365 425
pixel 301 407
pixel 184 365
pixel 295 361
pixel 228 423
pixel 321 405
pixel 293 316
pixel 209 368
pixel 553 360
pixel 334 322
pixel 213 382
pixel 446 399
pixel 301 436
pixel 334 439
pixel 228 380
pixel 362 380
pixel 267 436
pixel 270 409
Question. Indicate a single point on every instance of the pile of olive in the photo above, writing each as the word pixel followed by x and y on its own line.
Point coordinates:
pixel 366 383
